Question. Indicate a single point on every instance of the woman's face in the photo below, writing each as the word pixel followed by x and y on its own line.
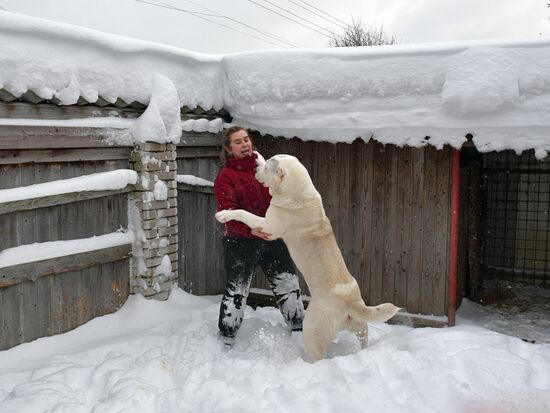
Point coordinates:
pixel 240 144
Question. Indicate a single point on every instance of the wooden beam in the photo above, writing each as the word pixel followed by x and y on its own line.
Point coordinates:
pixel 19 156
pixel 51 137
pixel 195 188
pixel 197 152
pixel 67 198
pixel 32 271
pixel 199 139
pixel 21 110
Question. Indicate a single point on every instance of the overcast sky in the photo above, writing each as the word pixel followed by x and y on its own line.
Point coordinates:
pixel 411 21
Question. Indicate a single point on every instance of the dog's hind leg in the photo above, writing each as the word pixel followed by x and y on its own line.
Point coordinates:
pixel 362 333
pixel 360 328
pixel 363 337
pixel 320 328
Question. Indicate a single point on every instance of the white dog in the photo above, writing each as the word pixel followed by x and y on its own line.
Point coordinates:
pixel 296 215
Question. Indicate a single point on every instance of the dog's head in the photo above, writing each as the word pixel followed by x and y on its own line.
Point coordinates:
pixel 282 173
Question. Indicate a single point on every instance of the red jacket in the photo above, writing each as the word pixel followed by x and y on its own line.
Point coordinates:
pixel 236 187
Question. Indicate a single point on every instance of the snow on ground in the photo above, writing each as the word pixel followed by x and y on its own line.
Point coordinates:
pixel 517 309
pixel 165 356
pixel 155 356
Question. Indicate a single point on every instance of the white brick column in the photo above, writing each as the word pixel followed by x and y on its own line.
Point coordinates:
pixel 155 261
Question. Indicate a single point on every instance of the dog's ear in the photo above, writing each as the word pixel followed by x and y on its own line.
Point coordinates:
pixel 276 168
pixel 281 172
pixel 272 166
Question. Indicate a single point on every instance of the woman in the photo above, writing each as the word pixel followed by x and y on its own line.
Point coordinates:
pixel 236 187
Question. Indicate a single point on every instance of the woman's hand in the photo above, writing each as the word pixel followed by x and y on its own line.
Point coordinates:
pixel 260 234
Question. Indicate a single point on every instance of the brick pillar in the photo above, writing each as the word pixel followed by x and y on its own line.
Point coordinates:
pixel 155 254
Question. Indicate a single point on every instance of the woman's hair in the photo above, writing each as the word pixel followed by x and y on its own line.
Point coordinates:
pixel 226 142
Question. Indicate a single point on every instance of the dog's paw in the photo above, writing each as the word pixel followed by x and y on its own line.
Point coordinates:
pixel 223 216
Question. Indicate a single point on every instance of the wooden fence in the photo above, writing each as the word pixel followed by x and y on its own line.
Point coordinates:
pixel 201 252
pixel 67 291
pixel 389 208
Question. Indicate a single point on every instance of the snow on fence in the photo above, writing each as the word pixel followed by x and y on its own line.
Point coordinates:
pixel 394 240
pixel 52 234
pixel 63 203
pixel 87 218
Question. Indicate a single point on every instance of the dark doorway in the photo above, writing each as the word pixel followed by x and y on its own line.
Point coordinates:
pixel 504 246
pixel 516 198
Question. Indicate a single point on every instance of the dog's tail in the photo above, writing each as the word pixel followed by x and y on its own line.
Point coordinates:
pixel 377 314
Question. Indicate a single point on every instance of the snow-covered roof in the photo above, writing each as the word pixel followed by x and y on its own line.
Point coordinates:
pixel 497 91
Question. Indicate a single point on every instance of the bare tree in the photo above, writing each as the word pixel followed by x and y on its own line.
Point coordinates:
pixel 358 34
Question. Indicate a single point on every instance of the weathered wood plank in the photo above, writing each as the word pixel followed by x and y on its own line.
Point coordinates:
pixel 20 110
pixel 428 231
pixel 199 139
pixel 403 222
pixel 379 235
pixel 392 221
pixel 365 188
pixel 10 157
pixel 206 168
pixel 51 137
pixel 59 303
pixel 10 175
pixel 47 201
pixel 69 221
pixel 355 232
pixel 33 270
pixel 417 188
pixel 441 235
pixel 197 152
pixel 195 188
pixel 200 258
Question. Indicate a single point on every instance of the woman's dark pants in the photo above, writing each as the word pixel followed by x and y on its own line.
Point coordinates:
pixel 242 255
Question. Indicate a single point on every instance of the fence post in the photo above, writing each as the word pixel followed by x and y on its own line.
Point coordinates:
pixel 154 268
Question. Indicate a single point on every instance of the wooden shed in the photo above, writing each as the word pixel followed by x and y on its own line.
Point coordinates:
pixel 419 227
pixel 390 208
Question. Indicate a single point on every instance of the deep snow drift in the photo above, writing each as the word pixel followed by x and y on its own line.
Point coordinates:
pixel 165 357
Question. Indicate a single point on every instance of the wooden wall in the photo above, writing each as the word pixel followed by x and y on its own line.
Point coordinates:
pixel 201 251
pixel 199 235
pixel 61 302
pixel 67 293
pixel 389 208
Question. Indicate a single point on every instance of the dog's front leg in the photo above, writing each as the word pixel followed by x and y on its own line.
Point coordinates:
pixel 253 221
